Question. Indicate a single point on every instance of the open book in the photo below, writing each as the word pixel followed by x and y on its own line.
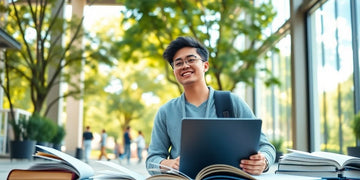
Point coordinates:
pixel 60 166
pixel 319 164
pixel 215 171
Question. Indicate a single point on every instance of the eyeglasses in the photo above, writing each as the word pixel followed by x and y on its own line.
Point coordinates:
pixel 188 60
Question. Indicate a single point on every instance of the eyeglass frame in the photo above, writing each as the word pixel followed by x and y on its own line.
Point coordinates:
pixel 187 58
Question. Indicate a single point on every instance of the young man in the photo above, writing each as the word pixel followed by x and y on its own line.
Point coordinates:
pixel 189 60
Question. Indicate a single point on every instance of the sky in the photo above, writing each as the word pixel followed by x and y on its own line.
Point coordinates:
pixel 94 13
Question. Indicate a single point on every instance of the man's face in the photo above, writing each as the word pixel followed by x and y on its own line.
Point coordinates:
pixel 192 71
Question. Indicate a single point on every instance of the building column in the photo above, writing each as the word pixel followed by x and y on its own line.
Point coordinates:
pixel 74 107
pixel 300 114
pixel 56 109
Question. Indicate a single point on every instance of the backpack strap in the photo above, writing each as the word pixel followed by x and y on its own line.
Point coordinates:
pixel 223 104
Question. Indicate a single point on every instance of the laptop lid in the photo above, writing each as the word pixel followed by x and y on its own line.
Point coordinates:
pixel 207 141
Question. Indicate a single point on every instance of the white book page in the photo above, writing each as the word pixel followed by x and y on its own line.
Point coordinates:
pixel 83 170
pixel 338 159
pixel 272 176
pixel 305 156
pixel 341 159
pixel 167 170
pixel 52 166
pixel 122 169
pixel 109 174
pixel 48 158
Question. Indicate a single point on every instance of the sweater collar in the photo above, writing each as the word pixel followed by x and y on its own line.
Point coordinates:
pixel 210 99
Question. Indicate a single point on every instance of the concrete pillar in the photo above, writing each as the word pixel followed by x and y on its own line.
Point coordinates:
pixel 56 109
pixel 300 114
pixel 74 107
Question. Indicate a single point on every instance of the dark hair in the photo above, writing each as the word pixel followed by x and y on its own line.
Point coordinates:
pixel 185 41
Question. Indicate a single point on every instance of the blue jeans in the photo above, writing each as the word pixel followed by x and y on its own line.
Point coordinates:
pixel 139 152
pixel 127 152
pixel 87 149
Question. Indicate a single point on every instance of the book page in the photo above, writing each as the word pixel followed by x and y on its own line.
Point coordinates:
pixel 122 169
pixel 39 153
pixel 48 158
pixel 305 156
pixel 52 166
pixel 82 169
pixel 110 174
pixel 222 171
pixel 339 160
pixel 168 170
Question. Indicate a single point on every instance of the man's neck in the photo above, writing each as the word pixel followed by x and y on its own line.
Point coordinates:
pixel 196 95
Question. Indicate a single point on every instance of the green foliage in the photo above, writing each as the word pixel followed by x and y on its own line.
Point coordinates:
pixel 59 136
pixel 19 128
pixel 41 62
pixel 117 97
pixel 32 129
pixel 278 144
pixel 25 129
pixel 356 125
pixel 45 128
pixel 220 26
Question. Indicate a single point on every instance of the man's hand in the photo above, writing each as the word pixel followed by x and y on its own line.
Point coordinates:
pixel 256 164
pixel 173 163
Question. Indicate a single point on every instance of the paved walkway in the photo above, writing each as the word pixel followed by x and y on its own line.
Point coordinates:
pixel 6 166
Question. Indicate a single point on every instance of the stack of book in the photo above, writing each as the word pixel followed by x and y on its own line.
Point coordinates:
pixel 319 164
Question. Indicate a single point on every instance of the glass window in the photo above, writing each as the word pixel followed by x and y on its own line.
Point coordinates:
pixel 282 8
pixel 274 102
pixel 331 75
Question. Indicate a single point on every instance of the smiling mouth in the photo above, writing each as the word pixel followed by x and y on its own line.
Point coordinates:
pixel 186 74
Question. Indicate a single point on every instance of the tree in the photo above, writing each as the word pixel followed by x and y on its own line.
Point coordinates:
pixel 40 27
pixel 120 91
pixel 231 30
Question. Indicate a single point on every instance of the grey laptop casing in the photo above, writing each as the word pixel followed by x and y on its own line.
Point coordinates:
pixel 207 141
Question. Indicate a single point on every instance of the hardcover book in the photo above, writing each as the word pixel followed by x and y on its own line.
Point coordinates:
pixel 59 166
pixel 319 164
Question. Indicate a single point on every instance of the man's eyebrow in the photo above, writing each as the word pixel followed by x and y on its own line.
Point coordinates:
pixel 190 55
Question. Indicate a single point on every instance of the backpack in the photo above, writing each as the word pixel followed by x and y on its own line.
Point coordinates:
pixel 223 104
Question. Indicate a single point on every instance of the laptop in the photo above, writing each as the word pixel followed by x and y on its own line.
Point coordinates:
pixel 207 141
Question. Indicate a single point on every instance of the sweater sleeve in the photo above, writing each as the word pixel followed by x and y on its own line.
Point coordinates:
pixel 160 143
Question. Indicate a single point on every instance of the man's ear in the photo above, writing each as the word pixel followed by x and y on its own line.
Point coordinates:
pixel 206 66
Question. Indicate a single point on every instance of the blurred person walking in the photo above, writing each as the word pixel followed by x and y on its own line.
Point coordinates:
pixel 103 145
pixel 140 143
pixel 127 143
pixel 87 138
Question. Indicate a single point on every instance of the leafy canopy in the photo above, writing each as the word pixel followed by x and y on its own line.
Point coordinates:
pixel 231 30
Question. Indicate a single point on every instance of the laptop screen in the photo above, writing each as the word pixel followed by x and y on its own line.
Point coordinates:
pixel 207 141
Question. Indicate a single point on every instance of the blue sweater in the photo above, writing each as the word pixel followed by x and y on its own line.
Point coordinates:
pixel 167 127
